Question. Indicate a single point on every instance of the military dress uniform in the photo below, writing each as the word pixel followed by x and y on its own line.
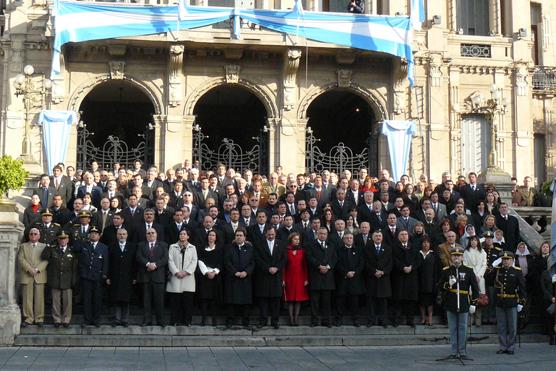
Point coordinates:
pixel 49 231
pixel 493 253
pixel 458 302
pixel 62 277
pixel 509 287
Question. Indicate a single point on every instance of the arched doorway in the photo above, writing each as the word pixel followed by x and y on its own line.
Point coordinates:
pixel 116 126
pixel 341 133
pixel 230 128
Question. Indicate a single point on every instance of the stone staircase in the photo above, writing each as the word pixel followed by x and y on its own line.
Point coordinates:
pixel 303 335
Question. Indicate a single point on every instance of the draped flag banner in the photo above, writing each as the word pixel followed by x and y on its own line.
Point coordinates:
pixel 56 126
pixel 82 21
pixel 552 260
pixel 417 13
pixel 399 135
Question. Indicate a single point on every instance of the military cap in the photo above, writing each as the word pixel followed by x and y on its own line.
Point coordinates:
pixel 507 255
pixel 46 212
pixel 93 230
pixel 456 251
pixel 488 234
pixel 84 214
pixel 63 234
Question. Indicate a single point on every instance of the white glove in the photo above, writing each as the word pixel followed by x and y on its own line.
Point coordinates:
pixel 471 309
pixel 519 308
pixel 497 262
pixel 554 278
pixel 452 280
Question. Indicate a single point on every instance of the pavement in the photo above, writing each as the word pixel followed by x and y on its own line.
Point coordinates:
pixel 541 356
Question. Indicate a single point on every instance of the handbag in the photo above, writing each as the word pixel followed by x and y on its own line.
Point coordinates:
pixel 482 301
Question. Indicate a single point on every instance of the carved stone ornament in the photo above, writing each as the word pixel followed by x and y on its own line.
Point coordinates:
pixel 474 102
pixel 521 80
pixel 291 66
pixel 435 71
pixel 344 78
pixel 176 64
pixel 232 73
pixel 117 70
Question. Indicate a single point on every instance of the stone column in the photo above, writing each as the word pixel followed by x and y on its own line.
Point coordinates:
pixel 272 144
pixel 495 24
pixel 187 137
pixel 523 158
pixel 10 233
pixel 159 122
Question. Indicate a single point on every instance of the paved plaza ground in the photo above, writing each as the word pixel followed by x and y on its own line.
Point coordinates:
pixel 539 357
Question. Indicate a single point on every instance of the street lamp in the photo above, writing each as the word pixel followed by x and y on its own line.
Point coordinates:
pixel 34 93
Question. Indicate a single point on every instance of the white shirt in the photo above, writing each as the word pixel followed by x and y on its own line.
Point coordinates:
pixel 270 245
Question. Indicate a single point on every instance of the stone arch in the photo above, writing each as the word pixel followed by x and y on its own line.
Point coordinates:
pixel 375 100
pixel 266 96
pixel 154 94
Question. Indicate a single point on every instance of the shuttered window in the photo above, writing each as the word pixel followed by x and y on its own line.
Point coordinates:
pixel 475 143
pixel 472 17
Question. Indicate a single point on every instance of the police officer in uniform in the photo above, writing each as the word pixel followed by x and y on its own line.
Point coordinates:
pixel 457 283
pixel 93 272
pixel 493 253
pixel 49 230
pixel 61 278
pixel 509 287
pixel 80 232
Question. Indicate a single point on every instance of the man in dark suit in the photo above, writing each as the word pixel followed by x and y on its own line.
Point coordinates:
pixel 204 193
pixel 256 233
pixel 390 230
pixel 270 259
pixel 93 271
pixel 148 222
pixel 364 238
pixel 509 225
pixel 162 213
pixel 321 260
pixel 173 228
pixel 122 275
pixel 365 207
pixel 45 191
pixel 349 279
pixel 246 219
pixel 90 187
pixel 109 235
pixel 379 289
pixel 61 184
pixel 472 192
pixel 150 184
pixel 61 214
pixel 229 229
pixel 353 195
pixel 104 215
pixel 152 259
pixel 187 200
pixel 202 232
pixel 286 229
pixel 112 191
pixel 133 213
pixel 340 207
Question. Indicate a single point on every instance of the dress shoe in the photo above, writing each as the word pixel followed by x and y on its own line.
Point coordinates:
pixel 24 324
pixel 276 326
pixel 510 352
pixel 57 325
pixel 162 325
pixel 144 324
pixel 66 325
pixel 124 324
pixel 96 324
pixel 313 324
pixel 501 351
pixel 465 357
pixel 214 322
pixel 84 324
pixel 355 323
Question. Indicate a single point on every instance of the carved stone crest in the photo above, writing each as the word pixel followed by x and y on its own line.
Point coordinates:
pixel 344 78
pixel 232 73
pixel 117 70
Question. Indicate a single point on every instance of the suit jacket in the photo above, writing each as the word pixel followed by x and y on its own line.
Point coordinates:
pixel 102 224
pixel 408 224
pixel 96 194
pixel 135 218
pixel 200 199
pixel 278 189
pixel 29 258
pixel 109 235
pixel 441 211
pixel 254 234
pixel 45 197
pixel 317 255
pixel 341 212
pixel 269 285
pixel 159 256
pixel 364 212
pixel 164 218
pixel 93 263
pixel 390 238
pixel 64 189
pixel 148 192
pixel 172 232
pixel 510 228
pixel 122 270
pixel 351 197
pixel 140 232
pixel 284 233
pixel 472 197
pixel 383 261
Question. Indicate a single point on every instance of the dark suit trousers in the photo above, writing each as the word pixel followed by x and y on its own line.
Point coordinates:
pixel 377 307
pixel 274 305
pixel 92 300
pixel 238 311
pixel 153 293
pixel 347 303
pixel 320 306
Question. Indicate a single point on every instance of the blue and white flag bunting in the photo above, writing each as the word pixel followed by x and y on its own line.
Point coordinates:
pixel 418 15
pixel 83 21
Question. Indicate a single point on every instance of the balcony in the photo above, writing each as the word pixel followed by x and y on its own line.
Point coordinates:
pixel 544 79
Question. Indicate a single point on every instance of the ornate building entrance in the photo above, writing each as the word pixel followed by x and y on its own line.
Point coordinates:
pixel 230 128
pixel 341 133
pixel 116 126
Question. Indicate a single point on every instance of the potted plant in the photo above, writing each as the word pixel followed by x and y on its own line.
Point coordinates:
pixel 544 197
pixel 12 177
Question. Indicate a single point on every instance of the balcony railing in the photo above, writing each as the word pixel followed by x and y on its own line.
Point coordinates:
pixel 475 50
pixel 544 78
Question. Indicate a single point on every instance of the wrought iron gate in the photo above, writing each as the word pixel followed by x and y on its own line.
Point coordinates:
pixel 113 150
pixel 340 157
pixel 230 153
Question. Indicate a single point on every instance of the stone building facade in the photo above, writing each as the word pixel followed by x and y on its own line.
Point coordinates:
pixel 480 65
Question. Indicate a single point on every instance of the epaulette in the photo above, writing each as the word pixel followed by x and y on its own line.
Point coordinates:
pixel 56 224
pixel 76 225
pixel 467 266
pixel 497 248
pixel 448 267
pixel 518 268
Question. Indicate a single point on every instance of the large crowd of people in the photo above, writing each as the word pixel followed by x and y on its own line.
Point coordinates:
pixel 360 249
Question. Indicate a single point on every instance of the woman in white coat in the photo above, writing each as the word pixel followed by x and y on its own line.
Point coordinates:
pixel 182 262
pixel 475 257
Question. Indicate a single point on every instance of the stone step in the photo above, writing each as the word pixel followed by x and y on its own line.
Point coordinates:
pixel 243 340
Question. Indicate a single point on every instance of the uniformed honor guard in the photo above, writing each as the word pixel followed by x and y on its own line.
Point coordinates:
pixel 32 278
pixel 93 271
pixel 457 283
pixel 493 253
pixel 80 232
pixel 62 277
pixel 509 286
pixel 49 230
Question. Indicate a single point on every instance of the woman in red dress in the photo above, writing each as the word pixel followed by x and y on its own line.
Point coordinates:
pixel 295 278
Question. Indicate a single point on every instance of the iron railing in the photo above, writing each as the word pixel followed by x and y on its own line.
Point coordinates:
pixel 475 50
pixel 544 78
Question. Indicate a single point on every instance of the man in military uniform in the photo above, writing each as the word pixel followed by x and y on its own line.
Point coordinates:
pixel 93 271
pixel 493 253
pixel 509 286
pixel 457 282
pixel 49 230
pixel 80 232
pixel 62 277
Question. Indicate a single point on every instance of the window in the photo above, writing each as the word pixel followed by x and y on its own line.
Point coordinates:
pixel 472 17
pixel 540 158
pixel 475 143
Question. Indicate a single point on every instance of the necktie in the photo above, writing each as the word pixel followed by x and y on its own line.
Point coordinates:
pixel 247 222
pixel 151 249
pixel 364 239
pixel 341 234
pixel 270 247
pixel 473 187
pixel 34 245
pixel 292 209
pixel 148 226
pixel 56 183
pixel 341 203
pixel 83 230
pixel 377 249
pixel 122 247
pixel 323 244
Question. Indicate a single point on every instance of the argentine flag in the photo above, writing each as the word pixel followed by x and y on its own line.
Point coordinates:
pixel 417 13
